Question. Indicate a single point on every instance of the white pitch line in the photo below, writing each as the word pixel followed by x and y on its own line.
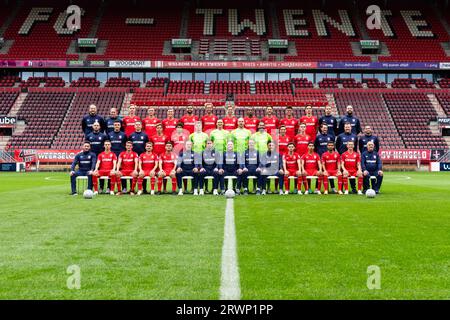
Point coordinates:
pixel 230 288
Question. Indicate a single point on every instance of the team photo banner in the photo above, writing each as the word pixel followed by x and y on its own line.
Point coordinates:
pixel 405 155
pixel 45 155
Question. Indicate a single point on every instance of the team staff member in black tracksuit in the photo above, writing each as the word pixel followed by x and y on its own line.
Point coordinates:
pixel 209 167
pixel 371 166
pixel 86 161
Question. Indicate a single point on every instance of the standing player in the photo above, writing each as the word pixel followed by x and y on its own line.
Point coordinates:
pixel 86 161
pixel 283 141
pixel 344 138
pixel 354 122
pixel 331 164
pixel 322 139
pixel 290 123
pixel 311 167
pixel 270 121
pixel 169 123
pixel 371 166
pixel 301 140
pixel 189 120
pixel 167 164
pixel 209 120
pixel 113 117
pixel 179 138
pixel 251 167
pixel 240 137
pixel 271 164
pixel 209 167
pixel 198 138
pixel 150 122
pixel 331 122
pixel 187 167
pixel 311 122
pixel 127 166
pixel 96 138
pixel 118 139
pixel 368 137
pixel 261 138
pixel 148 166
pixel 351 167
pixel 292 168
pixel 159 140
pixel 230 121
pixel 89 120
pixel 138 138
pixel 220 137
pixel 251 122
pixel 129 121
pixel 105 166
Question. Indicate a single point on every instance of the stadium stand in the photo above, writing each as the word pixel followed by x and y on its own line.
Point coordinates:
pixel 85 82
pixel 444 100
pixel 7 100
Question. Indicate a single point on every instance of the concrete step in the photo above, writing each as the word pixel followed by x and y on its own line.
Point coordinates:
pixel 17 104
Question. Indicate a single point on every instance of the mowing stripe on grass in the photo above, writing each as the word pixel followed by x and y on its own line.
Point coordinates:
pixel 230 288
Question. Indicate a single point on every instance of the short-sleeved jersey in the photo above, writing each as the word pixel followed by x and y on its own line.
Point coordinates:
pixel 209 122
pixel 169 125
pixel 292 161
pixel 128 124
pixel 189 122
pixel 271 123
pixel 283 142
pixel 179 140
pixel 351 160
pixel 168 161
pixel 198 140
pixel 301 143
pixel 240 139
pixel 219 138
pixel 291 126
pixel 331 160
pixel 159 143
pixel 149 125
pixel 251 124
pixel 128 160
pixel 106 160
pixel 230 123
pixel 148 161
pixel 311 161
pixel 312 124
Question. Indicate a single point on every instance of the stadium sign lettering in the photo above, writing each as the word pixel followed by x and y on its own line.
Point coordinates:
pixel 444 65
pixel 394 155
pixel 7 122
pixel 445 166
pixel 130 64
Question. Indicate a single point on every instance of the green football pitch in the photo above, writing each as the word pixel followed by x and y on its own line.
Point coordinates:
pixel 170 247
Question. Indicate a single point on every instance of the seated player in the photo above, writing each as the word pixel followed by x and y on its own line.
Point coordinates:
pixel 271 164
pixel 127 166
pixel 148 167
pixel 251 167
pixel 351 167
pixel 187 166
pixel 86 165
pixel 229 167
pixel 209 167
pixel 105 166
pixel 311 167
pixel 292 168
pixel 331 164
pixel 371 166
pixel 167 164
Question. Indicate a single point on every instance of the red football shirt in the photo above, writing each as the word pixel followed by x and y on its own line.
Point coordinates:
pixel 149 125
pixel 168 161
pixel 311 161
pixel 271 123
pixel 148 161
pixel 292 161
pixel 189 122
pixel 209 122
pixel 179 141
pixel 169 126
pixel 291 126
pixel 128 123
pixel 251 124
pixel 312 124
pixel 351 160
pixel 106 160
pixel 331 160
pixel 159 143
pixel 128 160
pixel 301 143
pixel 230 123
pixel 283 144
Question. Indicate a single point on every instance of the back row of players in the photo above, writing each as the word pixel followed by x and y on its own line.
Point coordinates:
pixel 294 141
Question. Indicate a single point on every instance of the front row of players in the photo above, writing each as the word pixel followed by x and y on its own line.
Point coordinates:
pixel 240 167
